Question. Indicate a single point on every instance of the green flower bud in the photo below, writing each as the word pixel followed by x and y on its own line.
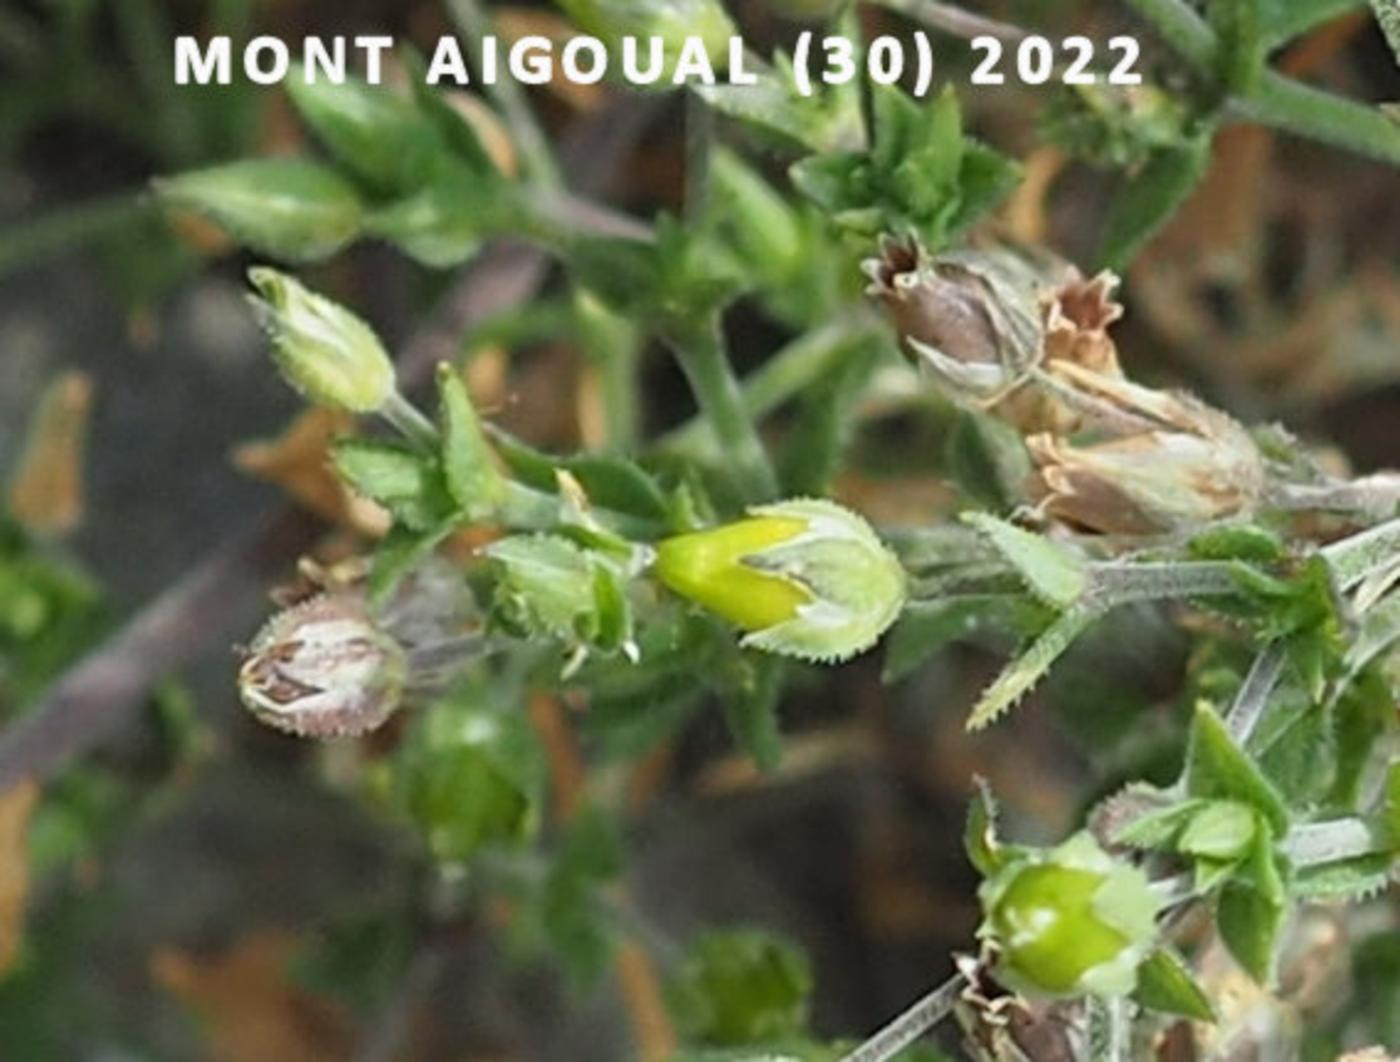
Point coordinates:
pixel 1069 921
pixel 324 669
pixel 324 351
pixel 804 578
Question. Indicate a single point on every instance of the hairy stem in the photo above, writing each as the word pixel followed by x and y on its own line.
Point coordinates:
pixel 912 1024
pixel 700 351
pixel 1354 558
pixel 1276 100
pixel 1254 695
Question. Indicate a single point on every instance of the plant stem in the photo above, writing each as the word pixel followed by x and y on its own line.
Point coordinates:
pixel 806 359
pixel 1276 100
pixel 1318 843
pixel 1121 584
pixel 405 417
pixel 1294 107
pixel 699 149
pixel 909 1026
pixel 1254 695
pixel 954 20
pixel 475 24
pixel 1352 559
pixel 700 351
pixel 31 242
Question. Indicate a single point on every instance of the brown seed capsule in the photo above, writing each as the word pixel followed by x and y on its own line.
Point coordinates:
pixel 324 669
pixel 1188 466
pixel 972 318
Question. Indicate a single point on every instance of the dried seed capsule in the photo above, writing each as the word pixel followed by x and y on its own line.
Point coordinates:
pixel 972 318
pixel 325 351
pixel 324 669
pixel 804 578
pixel 1069 920
pixel 1185 465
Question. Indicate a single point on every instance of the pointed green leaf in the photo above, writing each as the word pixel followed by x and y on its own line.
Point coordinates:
pixel 980 833
pixel 1165 984
pixel 468 462
pixel 1017 679
pixel 1216 767
pixel 1051 572
pixel 1249 924
pixel 1150 198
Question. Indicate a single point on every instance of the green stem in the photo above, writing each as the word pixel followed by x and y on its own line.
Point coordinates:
pixel 1354 558
pixel 405 417
pixel 802 362
pixel 700 351
pixel 1253 697
pixel 1297 108
pixel 32 242
pixel 476 25
pixel 912 1024
pixel 699 150
pixel 1276 100
pixel 1112 585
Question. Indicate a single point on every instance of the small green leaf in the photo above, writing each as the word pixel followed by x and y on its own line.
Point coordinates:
pixel 377 135
pixel 444 223
pixel 1150 198
pixel 1051 572
pixel 1165 984
pixel 1249 925
pixel 407 483
pixel 1223 829
pixel 1018 678
pixel 1243 542
pixel 741 987
pixel 468 462
pixel 1216 767
pixel 288 209
pixel 1351 880
pixel 400 552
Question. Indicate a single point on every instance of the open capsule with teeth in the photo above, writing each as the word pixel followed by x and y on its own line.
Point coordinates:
pixel 332 667
pixel 324 669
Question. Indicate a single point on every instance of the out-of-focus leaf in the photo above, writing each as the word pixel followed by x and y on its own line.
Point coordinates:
pixel 289 209
pixel 46 491
pixel 739 987
pixel 925 627
pixel 374 133
pixel 16 806
pixel 1150 198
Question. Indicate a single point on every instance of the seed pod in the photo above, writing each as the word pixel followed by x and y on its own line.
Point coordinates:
pixel 1186 464
pixel 1069 920
pixel 972 318
pixel 804 578
pixel 324 351
pixel 324 669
